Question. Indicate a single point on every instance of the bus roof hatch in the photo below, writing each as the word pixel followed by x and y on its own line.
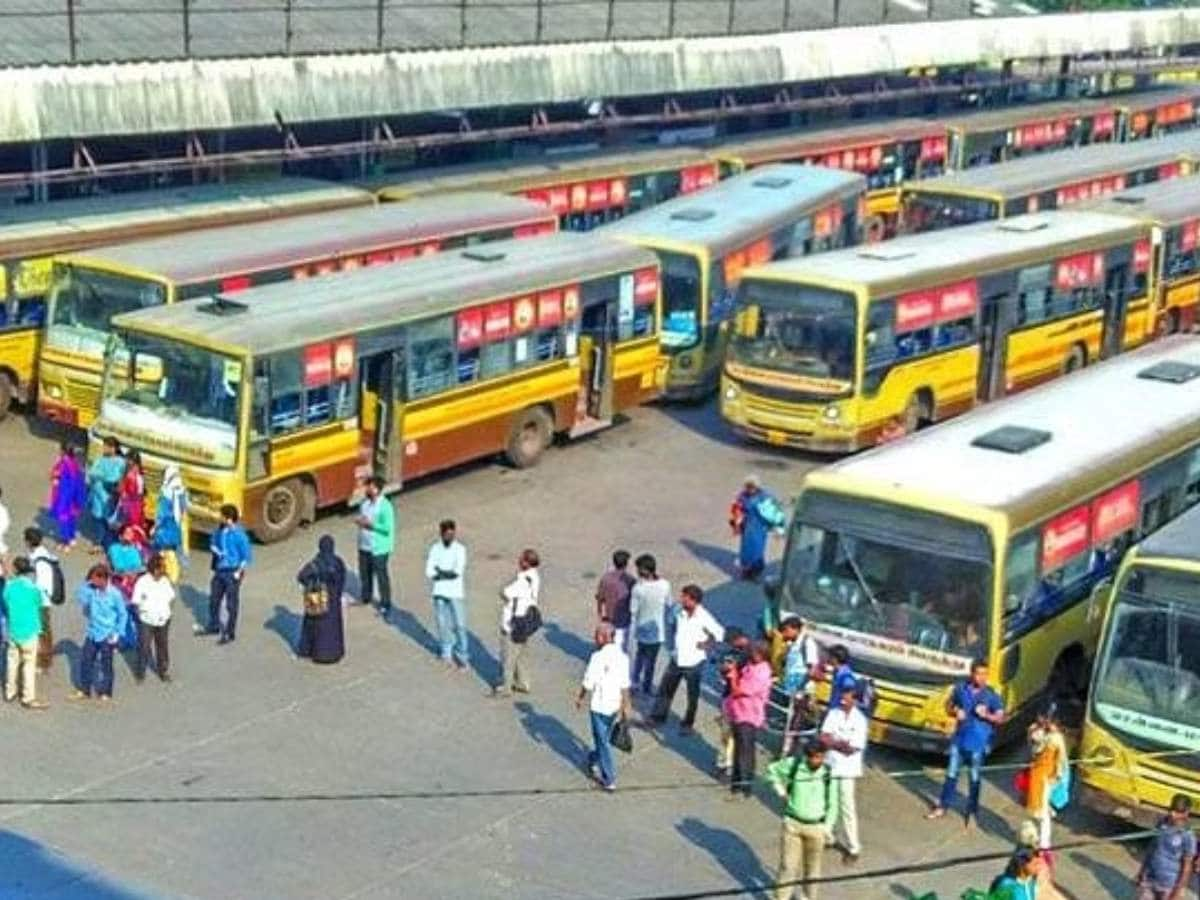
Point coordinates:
pixel 1012 439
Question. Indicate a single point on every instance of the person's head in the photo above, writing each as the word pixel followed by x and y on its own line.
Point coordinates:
pixel 1021 865
pixel 528 559
pixel 814 754
pixel 759 652
pixel 603 634
pixel 737 639
pixel 848 698
pixel 647 566
pixel 133 459
pixel 97 575
pixel 155 566
pixel 33 538
pixel 128 534
pixel 66 448
pixel 691 596
pixel 1047 716
pixel 839 655
pixel 752 484
pixel 1180 809
pixel 110 447
pixel 325 545
pixel 374 486
pixel 620 560
pixel 22 566
pixel 790 627
pixel 447 529
pixel 979 672
pixel 229 514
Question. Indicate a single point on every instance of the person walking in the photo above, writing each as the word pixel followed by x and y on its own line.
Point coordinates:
pixel 23 611
pixel 153 594
pixel 844 734
pixel 1166 868
pixel 804 783
pixel 68 494
pixel 613 597
pixel 103 481
pixel 105 615
pixel 518 602
pixel 48 578
pixel 696 631
pixel 376 540
pixel 745 709
pixel 606 683
pixel 1049 765
pixel 648 618
pixel 322 633
pixel 230 557
pixel 754 515
pixel 446 569
pixel 977 709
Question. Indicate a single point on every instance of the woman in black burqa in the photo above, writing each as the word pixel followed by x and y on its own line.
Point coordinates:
pixel 321 636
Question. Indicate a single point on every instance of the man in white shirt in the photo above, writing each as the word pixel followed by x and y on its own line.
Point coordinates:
pixel 153 594
pixel 446 567
pixel 696 631
pixel 516 602
pixel 43 562
pixel 844 734
pixel 607 680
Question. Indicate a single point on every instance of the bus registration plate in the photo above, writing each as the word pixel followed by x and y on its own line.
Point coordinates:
pixel 776 437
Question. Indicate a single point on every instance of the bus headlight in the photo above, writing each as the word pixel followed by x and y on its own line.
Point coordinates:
pixel 832 413
pixel 731 392
pixel 1102 757
pixel 53 391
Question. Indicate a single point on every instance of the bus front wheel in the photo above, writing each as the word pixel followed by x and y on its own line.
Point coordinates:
pixel 531 434
pixel 282 509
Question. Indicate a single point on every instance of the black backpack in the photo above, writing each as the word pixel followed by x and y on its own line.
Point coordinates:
pixel 58 589
pixel 522 628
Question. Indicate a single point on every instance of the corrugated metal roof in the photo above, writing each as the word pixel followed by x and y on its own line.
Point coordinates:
pixel 1162 202
pixel 756 150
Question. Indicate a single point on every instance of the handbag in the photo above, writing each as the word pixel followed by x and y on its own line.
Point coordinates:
pixel 1060 794
pixel 316 600
pixel 1021 782
pixel 621 737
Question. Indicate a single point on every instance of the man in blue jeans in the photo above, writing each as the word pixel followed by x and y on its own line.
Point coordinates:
pixel 105 614
pixel 445 567
pixel 230 555
pixel 978 710
pixel 606 680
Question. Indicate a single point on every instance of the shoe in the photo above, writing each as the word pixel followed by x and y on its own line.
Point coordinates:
pixel 8 699
pixel 79 695
pixel 140 678
pixel 105 699
pixel 849 859
pixel 686 730
pixel 36 704
pixel 936 813
pixel 522 688
pixel 609 788
pixel 164 678
pixel 224 639
pixel 498 693
pixel 201 631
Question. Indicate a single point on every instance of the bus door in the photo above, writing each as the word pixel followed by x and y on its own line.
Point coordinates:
pixel 1114 311
pixel 995 322
pixel 379 375
pixel 603 302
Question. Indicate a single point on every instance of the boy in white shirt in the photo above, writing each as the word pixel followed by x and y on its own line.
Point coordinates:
pixel 844 734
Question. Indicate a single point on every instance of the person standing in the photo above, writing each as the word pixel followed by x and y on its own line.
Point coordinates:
pixel 23 610
pixel 230 556
pixel 801 665
pixel 696 631
pixel 170 536
pixel 518 600
pixel 977 710
pixel 804 783
pixel 48 578
pixel 103 480
pixel 131 493
pixel 322 634
pixel 648 618
pixel 68 494
pixel 606 680
pixel 842 677
pixel 1019 880
pixel 844 734
pixel 745 709
pixel 153 594
pixel 1049 764
pixel 612 597
pixel 446 568
pixel 754 515
pixel 376 540
pixel 1167 866
pixel 105 615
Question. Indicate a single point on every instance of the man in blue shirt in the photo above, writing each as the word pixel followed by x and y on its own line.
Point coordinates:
pixel 230 555
pixel 843 678
pixel 1167 867
pixel 104 609
pixel 978 710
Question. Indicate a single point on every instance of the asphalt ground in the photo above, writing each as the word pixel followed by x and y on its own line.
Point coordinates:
pixel 409 757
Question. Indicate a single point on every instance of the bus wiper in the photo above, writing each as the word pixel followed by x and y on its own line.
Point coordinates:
pixel 862 582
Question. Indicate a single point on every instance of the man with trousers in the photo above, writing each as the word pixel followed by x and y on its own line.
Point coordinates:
pixel 516 599
pixel 844 735
pixel 612 597
pixel 376 540
pixel 745 709
pixel 607 681
pixel 804 785
pixel 977 710
pixel 1168 866
pixel 696 631
pixel 446 567
pixel 104 611
pixel 230 556
pixel 648 618
pixel 44 563
pixel 23 610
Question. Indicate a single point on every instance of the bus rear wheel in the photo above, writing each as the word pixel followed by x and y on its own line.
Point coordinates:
pixel 530 435
pixel 7 394
pixel 282 509
pixel 1075 360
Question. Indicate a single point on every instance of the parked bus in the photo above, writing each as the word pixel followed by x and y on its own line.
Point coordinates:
pixel 829 353
pixel 583 190
pixel 1174 209
pixel 278 399
pixel 90 287
pixel 31 235
pixel 1141 737
pixel 1049 181
pixel 987 537
pixel 1155 113
pixel 704 244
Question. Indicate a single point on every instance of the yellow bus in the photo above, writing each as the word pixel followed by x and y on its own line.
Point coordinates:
pixel 89 287
pixel 1141 737
pixel 1155 113
pixel 583 190
pixel 987 537
pixel 704 244
pixel 1048 181
pixel 834 352
pixel 30 236
pixel 278 399
pixel 1172 207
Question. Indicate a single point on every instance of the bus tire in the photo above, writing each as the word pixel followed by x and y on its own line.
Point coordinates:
pixel 281 511
pixel 918 411
pixel 8 393
pixel 529 436
pixel 1171 322
pixel 1075 360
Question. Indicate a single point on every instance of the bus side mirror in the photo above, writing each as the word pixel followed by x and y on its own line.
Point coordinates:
pixel 1098 601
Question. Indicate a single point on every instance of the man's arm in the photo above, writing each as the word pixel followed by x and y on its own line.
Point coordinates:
pixel 1179 892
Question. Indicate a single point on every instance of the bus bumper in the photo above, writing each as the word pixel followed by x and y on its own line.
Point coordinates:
pixel 904 737
pixel 1135 812
pixel 798 440
pixel 54 411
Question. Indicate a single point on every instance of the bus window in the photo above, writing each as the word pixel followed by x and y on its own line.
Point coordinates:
pixel 285 392
pixel 430 357
pixel 681 300
pixel 932 212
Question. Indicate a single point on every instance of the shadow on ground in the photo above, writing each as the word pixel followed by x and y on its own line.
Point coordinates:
pixel 31 870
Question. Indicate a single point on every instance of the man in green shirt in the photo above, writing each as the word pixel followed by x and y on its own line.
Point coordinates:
pixel 804 783
pixel 23 609
pixel 376 539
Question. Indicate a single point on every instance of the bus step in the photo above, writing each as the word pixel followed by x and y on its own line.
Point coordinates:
pixel 587 425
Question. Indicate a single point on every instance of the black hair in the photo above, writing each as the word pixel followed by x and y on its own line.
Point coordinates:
pixel 230 512
pixel 447 525
pixel 1181 803
pixel 646 563
pixel 378 481
pixel 978 663
pixel 22 565
pixel 33 536
pixel 694 591
pixel 839 654
pixel 621 559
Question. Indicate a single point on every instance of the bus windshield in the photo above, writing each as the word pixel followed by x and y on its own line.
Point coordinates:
pixel 82 301
pixel 681 300
pixel 183 401
pixel 924 211
pixel 796 329
pixel 903 589
pixel 1149 674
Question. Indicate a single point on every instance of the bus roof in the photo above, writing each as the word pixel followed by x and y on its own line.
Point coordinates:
pixel 1046 171
pixel 1178 539
pixel 80 218
pixel 296 313
pixel 1011 116
pixel 207 254
pixel 1165 203
pixel 938 257
pixel 756 149
pixel 1086 440
pixel 739 209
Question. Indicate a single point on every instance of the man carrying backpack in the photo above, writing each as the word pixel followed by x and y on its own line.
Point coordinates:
pixel 519 620
pixel 48 577
pixel 805 784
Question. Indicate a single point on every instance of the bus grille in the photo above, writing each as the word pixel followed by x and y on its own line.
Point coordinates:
pixel 81 395
pixel 756 404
